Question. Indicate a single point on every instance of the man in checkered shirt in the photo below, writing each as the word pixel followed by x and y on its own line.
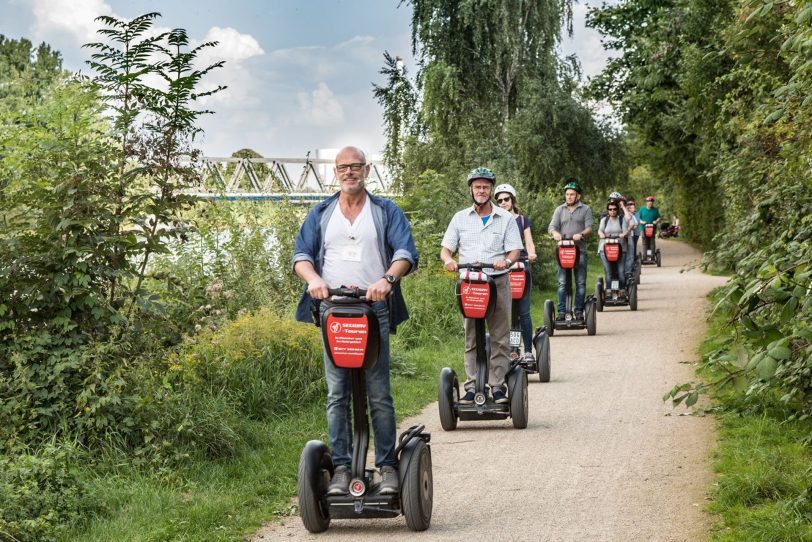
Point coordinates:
pixel 485 233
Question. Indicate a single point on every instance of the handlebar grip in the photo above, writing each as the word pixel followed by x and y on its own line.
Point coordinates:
pixel 475 265
pixel 348 292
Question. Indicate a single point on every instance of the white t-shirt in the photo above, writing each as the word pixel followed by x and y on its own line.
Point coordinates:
pixel 351 250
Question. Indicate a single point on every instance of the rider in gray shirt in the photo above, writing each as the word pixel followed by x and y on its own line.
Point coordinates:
pixel 572 220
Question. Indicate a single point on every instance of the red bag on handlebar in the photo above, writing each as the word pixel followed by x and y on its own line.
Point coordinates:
pixel 611 251
pixel 518 280
pixel 649 230
pixel 567 256
pixel 476 293
pixel 352 335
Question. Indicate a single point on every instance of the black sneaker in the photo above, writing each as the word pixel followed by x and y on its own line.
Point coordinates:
pixel 389 481
pixel 499 396
pixel 468 398
pixel 579 316
pixel 340 483
pixel 560 317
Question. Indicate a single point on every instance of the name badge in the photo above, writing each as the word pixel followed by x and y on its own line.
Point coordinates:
pixel 351 254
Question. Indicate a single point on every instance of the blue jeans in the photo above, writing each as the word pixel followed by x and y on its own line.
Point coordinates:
pixel 379 400
pixel 580 285
pixel 631 254
pixel 607 270
pixel 525 321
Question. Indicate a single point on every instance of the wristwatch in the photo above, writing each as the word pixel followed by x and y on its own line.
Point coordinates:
pixel 390 279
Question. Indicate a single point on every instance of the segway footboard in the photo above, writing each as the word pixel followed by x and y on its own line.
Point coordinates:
pixel 370 505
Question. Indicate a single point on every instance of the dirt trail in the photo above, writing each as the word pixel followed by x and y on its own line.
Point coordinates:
pixel 603 458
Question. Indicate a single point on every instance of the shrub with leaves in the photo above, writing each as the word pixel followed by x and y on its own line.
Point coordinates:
pixel 267 364
pixel 92 177
pixel 41 492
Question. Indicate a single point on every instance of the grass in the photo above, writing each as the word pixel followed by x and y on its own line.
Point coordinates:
pixel 227 500
pixel 763 464
pixel 764 486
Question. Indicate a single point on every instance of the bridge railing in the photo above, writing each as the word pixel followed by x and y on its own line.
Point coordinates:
pixel 298 179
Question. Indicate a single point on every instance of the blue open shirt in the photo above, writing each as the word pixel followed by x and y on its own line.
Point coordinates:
pixel 394 243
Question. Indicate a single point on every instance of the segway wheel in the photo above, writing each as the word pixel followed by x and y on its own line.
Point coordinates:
pixel 517 384
pixel 315 469
pixel 591 325
pixel 417 488
pixel 543 357
pixel 599 295
pixel 633 297
pixel 549 318
pixel 448 394
pixel 659 259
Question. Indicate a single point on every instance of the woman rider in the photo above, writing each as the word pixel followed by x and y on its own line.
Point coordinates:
pixel 506 199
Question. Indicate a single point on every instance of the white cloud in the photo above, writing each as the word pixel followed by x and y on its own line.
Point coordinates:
pixel 232 45
pixel 74 19
pixel 235 48
pixel 586 42
pixel 320 107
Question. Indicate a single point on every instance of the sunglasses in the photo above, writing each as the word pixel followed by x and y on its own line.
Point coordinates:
pixel 612 209
pixel 503 200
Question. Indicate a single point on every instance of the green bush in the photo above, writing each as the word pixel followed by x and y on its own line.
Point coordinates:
pixel 40 493
pixel 237 260
pixel 265 365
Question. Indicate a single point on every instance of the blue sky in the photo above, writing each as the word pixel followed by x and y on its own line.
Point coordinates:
pixel 300 73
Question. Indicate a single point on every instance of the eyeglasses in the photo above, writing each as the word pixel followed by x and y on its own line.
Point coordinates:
pixel 610 209
pixel 354 167
pixel 503 200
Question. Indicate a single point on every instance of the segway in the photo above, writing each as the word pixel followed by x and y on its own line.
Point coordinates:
pixel 350 330
pixel 541 363
pixel 567 256
pixel 651 254
pixel 476 295
pixel 611 295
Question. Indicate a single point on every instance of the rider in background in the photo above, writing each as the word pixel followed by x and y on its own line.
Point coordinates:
pixel 649 215
pixel 572 220
pixel 634 222
pixel 506 199
pixel 484 233
pixel 613 224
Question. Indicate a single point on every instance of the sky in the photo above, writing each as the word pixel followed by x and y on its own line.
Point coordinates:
pixel 299 72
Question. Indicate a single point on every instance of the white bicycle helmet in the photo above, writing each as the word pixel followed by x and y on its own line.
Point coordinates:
pixel 505 188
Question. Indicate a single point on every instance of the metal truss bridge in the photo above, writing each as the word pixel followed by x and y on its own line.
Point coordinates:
pixel 299 180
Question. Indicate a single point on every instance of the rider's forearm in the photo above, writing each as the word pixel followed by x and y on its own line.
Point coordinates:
pixel 446 255
pixel 399 268
pixel 305 271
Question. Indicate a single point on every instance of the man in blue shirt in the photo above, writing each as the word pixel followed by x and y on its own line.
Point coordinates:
pixel 356 239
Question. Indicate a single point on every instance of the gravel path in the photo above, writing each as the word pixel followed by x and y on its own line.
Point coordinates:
pixel 602 458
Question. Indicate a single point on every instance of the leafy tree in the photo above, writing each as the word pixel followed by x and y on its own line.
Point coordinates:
pixel 95 175
pixel 399 102
pixel 26 73
pixel 490 90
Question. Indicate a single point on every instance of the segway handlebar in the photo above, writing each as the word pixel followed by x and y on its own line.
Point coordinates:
pixel 475 265
pixel 348 292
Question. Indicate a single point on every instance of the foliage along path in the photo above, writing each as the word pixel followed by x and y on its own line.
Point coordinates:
pixel 602 458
